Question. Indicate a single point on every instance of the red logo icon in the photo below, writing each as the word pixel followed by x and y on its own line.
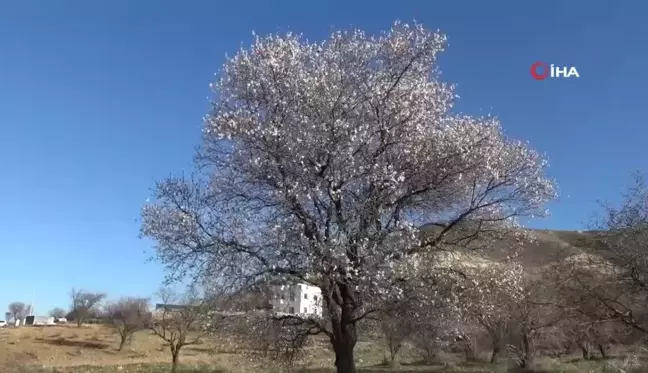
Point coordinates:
pixel 539 70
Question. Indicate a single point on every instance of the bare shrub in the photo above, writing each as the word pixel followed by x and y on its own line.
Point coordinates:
pixel 57 312
pixel 532 315
pixel 178 321
pixel 18 310
pixel 83 304
pixel 128 316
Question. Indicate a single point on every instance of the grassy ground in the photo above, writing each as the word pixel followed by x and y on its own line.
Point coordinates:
pixel 93 349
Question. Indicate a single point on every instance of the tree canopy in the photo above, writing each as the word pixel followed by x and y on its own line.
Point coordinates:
pixel 321 162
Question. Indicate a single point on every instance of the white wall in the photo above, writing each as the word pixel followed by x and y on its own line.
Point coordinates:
pixel 297 299
pixel 285 298
pixel 311 300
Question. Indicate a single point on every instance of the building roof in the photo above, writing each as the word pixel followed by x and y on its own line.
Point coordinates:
pixel 161 306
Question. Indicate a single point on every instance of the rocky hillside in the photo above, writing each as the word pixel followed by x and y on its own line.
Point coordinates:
pixel 551 245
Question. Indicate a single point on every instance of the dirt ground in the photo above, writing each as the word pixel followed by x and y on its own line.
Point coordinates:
pixel 68 345
pixel 96 345
pixel 93 349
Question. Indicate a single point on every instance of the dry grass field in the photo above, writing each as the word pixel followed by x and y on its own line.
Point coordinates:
pixel 93 349
pixel 93 345
pixel 67 348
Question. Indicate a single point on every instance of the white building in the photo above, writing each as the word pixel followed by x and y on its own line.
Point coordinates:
pixel 297 299
pixel 39 320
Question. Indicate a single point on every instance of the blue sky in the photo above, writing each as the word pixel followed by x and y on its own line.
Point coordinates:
pixel 100 98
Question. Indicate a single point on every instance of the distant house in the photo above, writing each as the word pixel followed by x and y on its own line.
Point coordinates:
pixel 250 298
pixel 161 308
pixel 9 318
pixel 275 296
pixel 297 299
pixel 39 320
pixel 170 307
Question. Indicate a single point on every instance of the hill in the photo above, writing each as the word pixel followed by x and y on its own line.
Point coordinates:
pixel 544 247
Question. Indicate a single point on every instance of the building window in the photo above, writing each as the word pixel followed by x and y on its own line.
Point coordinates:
pixel 291 310
pixel 305 296
pixel 314 297
pixel 305 310
pixel 292 296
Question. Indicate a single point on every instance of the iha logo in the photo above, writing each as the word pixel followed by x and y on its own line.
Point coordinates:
pixel 542 71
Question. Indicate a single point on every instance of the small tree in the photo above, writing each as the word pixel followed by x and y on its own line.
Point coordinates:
pixel 128 316
pixel 83 304
pixel 487 293
pixel 397 327
pixel 57 312
pixel 531 315
pixel 622 293
pixel 430 300
pixel 18 310
pixel 605 290
pixel 281 338
pixel 178 321
pixel 431 334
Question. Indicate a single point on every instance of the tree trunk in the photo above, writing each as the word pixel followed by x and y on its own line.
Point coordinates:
pixel 343 335
pixel 498 335
pixel 344 362
pixel 430 355
pixel 79 322
pixel 601 348
pixel 122 342
pixel 469 348
pixel 175 358
pixel 344 341
pixel 527 350
pixel 567 348
pixel 393 351
pixel 585 350
pixel 495 354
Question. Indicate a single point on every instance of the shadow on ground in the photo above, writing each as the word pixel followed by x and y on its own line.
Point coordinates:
pixel 137 368
pixel 401 369
pixel 200 370
pixel 209 350
pixel 72 343
pixel 465 367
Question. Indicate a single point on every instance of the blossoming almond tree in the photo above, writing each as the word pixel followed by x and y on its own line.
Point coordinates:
pixel 322 160
pixel 625 245
pixel 610 283
pixel 487 293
